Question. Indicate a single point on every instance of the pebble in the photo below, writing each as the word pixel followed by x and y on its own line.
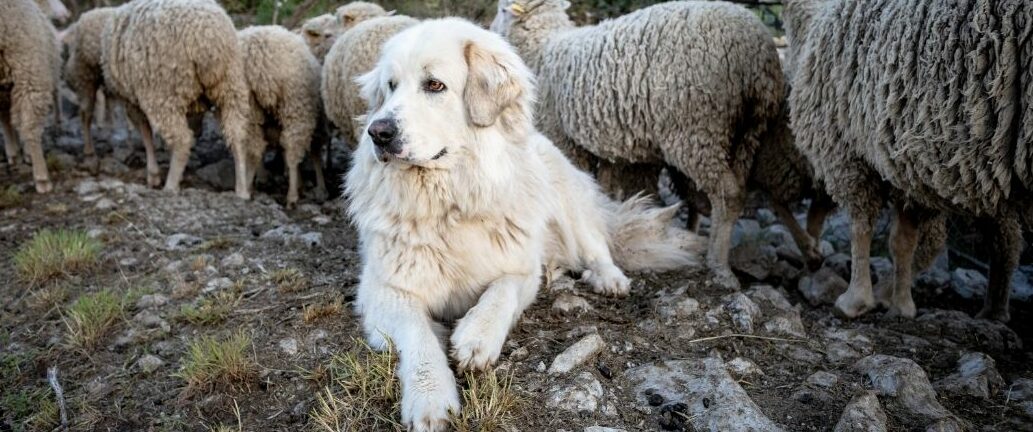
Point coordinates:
pixel 289 346
pixel 149 363
pixel 567 303
pixel 583 395
pixel 823 379
pixel 743 369
pixel 181 241
pixel 148 301
pixel 233 260
pixel 577 354
pixel 904 380
pixel 862 414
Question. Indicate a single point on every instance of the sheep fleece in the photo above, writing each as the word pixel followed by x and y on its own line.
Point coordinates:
pixel 942 109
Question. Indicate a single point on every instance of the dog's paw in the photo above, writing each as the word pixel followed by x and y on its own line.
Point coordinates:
pixel 476 344
pixel 427 411
pixel 608 280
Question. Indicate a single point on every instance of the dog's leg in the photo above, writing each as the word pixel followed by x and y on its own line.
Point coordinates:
pixel 478 337
pixel 428 386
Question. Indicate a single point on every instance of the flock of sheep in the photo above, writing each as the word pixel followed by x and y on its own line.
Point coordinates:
pixel 926 106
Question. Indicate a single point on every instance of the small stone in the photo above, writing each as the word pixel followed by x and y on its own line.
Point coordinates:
pixel 181 241
pixel 969 283
pixel 562 283
pixel 603 429
pixel 95 233
pixel 765 217
pixel 753 259
pixel 218 284
pixel 219 174
pixel 745 230
pixel 743 369
pixel 289 346
pixel 149 363
pixel 577 354
pixel 769 296
pixel 823 379
pixel 945 425
pixel 788 324
pixel 976 376
pixel 540 367
pixel 567 303
pixel 1021 390
pixel 822 287
pixel 905 380
pixel 105 204
pixel 148 301
pixel 519 354
pixel 112 166
pixel 151 320
pixel 742 311
pixel 233 260
pixel 284 233
pixel 321 220
pixel 583 395
pixel 862 414
pixel 87 187
pixel 311 239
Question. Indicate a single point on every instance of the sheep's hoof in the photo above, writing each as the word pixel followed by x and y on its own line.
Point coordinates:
pixel 852 305
pixel 246 196
pixel 44 186
pixel 995 314
pixel 905 309
pixel 92 164
pixel 726 279
pixel 292 204
pixel 154 180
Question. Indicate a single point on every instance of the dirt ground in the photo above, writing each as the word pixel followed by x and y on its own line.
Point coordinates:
pixel 187 247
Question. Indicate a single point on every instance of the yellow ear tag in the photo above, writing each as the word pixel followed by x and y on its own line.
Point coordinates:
pixel 516 8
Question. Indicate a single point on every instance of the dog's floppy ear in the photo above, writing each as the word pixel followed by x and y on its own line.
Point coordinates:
pixel 497 80
pixel 370 89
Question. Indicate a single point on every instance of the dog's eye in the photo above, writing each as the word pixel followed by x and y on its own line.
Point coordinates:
pixel 434 86
pixel 391 85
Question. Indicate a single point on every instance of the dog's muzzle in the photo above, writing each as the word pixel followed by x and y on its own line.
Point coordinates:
pixel 384 133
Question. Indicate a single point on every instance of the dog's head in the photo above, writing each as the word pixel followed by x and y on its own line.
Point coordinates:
pixel 438 87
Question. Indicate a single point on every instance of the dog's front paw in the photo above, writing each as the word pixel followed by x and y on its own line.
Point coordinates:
pixel 477 343
pixel 608 280
pixel 427 411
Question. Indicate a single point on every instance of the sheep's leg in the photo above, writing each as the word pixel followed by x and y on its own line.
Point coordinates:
pixel 1006 237
pixel 28 124
pixel 320 194
pixel 932 238
pixel 175 131
pixel 726 207
pixel 808 245
pixel 819 210
pixel 903 241
pixel 87 104
pixel 11 146
pixel 143 126
pixel 858 298
pixel 230 95
pixel 694 199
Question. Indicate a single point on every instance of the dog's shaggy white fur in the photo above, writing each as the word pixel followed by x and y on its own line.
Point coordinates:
pixel 461 212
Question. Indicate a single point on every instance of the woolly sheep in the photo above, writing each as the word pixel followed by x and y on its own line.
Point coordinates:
pixel 319 33
pixel 928 105
pixel 29 61
pixel 54 9
pixel 696 85
pixel 354 53
pixel 356 12
pixel 83 71
pixel 283 78
pixel 165 59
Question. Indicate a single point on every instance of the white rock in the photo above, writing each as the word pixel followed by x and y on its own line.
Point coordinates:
pixel 311 239
pixel 754 259
pixel 181 241
pixel 822 287
pixel 577 354
pixel 714 401
pixel 742 311
pixel 862 414
pixel 149 363
pixel 976 376
pixel 233 260
pixel 105 204
pixel 602 429
pixel 743 369
pixel 583 395
pixel 905 380
pixel 150 319
pixel 289 346
pixel 321 220
pixel 969 283
pixel 95 233
pixel 787 324
pixel 151 301
pixel 567 303
pixel 823 379
pixel 768 295
pixel 283 233
pixel 87 187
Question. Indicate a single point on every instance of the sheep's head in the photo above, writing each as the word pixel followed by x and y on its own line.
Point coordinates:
pixel 54 9
pixel 511 12
pixel 356 12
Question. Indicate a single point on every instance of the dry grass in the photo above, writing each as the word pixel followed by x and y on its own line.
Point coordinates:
pixel 210 310
pixel 218 364
pixel 11 197
pixel 488 402
pixel 53 253
pixel 315 312
pixel 199 263
pixel 218 243
pixel 91 318
pixel 289 280
pixel 182 289
pixel 363 393
pixel 47 298
pixel 226 428
pixel 54 164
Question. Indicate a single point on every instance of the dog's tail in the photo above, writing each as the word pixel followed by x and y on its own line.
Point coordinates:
pixel 642 236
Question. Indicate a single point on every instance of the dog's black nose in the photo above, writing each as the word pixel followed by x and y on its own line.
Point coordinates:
pixel 383 131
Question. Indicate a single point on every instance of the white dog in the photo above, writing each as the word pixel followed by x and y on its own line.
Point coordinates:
pixel 460 203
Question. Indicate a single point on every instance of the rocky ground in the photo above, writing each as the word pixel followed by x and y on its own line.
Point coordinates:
pixel 677 354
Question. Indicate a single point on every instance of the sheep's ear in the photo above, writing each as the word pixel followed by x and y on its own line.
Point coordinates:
pixel 370 89
pixel 496 81
pixel 391 12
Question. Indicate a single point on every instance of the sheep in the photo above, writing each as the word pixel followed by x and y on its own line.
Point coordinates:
pixel 82 69
pixel 319 33
pixel 695 85
pixel 355 12
pixel 928 106
pixel 283 79
pixel 29 61
pixel 354 53
pixel 168 58
pixel 54 9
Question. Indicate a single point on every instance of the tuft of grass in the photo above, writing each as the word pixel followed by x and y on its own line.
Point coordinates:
pixel 54 164
pixel 91 318
pixel 488 403
pixel 218 243
pixel 210 310
pixel 47 298
pixel 218 364
pixel 56 209
pixel 363 393
pixel 11 197
pixel 289 280
pixel 315 312
pixel 199 263
pixel 183 289
pixel 52 253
